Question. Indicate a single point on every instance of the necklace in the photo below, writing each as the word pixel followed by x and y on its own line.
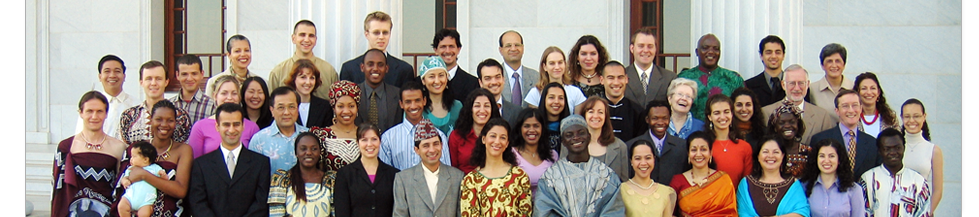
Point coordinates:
pixel 589 77
pixel 725 146
pixel 647 187
pixel 701 181
pixel 770 190
pixel 876 115
pixel 166 154
pixel 89 145
pixel 526 151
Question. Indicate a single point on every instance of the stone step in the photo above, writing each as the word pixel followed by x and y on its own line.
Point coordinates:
pixel 42 204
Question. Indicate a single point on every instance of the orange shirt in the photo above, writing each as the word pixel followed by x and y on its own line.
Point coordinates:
pixel 733 158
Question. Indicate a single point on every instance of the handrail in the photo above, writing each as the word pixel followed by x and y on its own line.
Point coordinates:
pixel 208 59
pixel 675 56
pixel 414 56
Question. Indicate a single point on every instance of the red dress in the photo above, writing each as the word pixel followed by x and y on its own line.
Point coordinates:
pixel 461 148
pixel 82 182
pixel 733 158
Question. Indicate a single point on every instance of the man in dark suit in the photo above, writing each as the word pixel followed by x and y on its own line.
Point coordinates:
pixel 490 73
pixel 378 100
pixel 233 181
pixel 767 85
pixel 643 71
pixel 377 30
pixel 848 108
pixel 430 188
pixel 447 45
pixel 623 112
pixel 671 151
pixel 511 48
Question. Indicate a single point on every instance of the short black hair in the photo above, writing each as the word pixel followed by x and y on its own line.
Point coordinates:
pixel 90 95
pixel 770 39
pixel 655 104
pixel 830 49
pixel 146 149
pixel 227 108
pixel 441 34
pixel 111 57
pixel 509 31
pixel 163 104
pixel 234 38
pixel 411 85
pixel 279 91
pixel 488 62
pixel 612 63
pixel 301 22
pixel 190 59
pixel 376 50
pixel 890 132
pixel 153 64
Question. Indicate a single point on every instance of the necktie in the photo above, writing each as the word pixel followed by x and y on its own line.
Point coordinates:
pixel 515 92
pixel 776 84
pixel 372 111
pixel 231 164
pixel 645 83
pixel 852 148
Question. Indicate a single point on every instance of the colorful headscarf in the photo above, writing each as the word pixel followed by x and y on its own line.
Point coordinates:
pixel 571 121
pixel 425 130
pixel 786 107
pixel 431 63
pixel 344 88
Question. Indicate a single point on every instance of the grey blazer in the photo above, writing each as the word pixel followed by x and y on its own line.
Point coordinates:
pixel 659 81
pixel 616 157
pixel 528 79
pixel 668 163
pixel 389 114
pixel 411 196
pixel 510 111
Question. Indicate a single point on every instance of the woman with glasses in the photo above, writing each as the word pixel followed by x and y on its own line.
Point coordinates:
pixel 920 154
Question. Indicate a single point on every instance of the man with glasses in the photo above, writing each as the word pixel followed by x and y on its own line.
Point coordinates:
pixel 860 146
pixel 796 86
pixel 277 141
pixel 520 79
pixel 377 30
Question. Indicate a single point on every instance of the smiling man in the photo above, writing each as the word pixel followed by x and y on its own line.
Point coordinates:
pixel 397 143
pixel 520 79
pixel 711 79
pixel 377 30
pixel 112 73
pixel 278 141
pixel 190 97
pixel 767 85
pixel 891 189
pixel 670 150
pixel 796 86
pixel 647 81
pixel 490 74
pixel 134 124
pixel 304 37
pixel 860 146
pixel 379 100
pixel 623 112
pixel 430 188
pixel 446 44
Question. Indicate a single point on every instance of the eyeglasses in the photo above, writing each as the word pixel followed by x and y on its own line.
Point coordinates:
pixel 510 45
pixel 915 117
pixel 850 106
pixel 795 83
pixel 683 95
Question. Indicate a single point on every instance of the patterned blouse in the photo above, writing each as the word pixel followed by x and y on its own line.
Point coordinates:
pixel 591 90
pixel 135 125
pixel 335 152
pixel 502 196
pixel 319 196
pixel 797 162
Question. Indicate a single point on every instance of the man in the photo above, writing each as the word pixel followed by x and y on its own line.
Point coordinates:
pixel 378 99
pixel 859 145
pixel 670 150
pixel 304 37
pixel 833 60
pixel 652 81
pixel 719 80
pixel 447 45
pixel 430 188
pixel 520 79
pixel 396 142
pixel 623 112
pixel 112 73
pixel 578 185
pixel 767 86
pixel 278 141
pixel 191 98
pixel 134 124
pixel 490 73
pixel 377 30
pixel 796 84
pixel 891 189
pixel 231 182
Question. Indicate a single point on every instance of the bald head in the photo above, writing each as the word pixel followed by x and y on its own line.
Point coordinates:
pixel 709 51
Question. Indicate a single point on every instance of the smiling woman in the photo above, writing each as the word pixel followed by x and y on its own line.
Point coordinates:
pixel 770 190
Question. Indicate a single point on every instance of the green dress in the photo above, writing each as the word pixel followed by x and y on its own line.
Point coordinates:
pixel 720 80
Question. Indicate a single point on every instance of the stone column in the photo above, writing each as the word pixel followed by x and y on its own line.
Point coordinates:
pixel 740 26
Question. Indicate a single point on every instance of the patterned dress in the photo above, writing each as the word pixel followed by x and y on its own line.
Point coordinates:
pixel 797 162
pixel 718 81
pixel 82 182
pixel 319 196
pixel 503 196
pixel 165 205
pixel 335 152
pixel 591 90
pixel 135 124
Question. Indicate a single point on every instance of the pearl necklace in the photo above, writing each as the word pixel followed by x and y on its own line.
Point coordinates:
pixel 651 183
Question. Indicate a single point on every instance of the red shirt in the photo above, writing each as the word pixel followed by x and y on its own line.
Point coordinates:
pixel 735 161
pixel 460 149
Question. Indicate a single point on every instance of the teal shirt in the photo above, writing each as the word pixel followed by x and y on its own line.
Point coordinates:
pixel 720 80
pixel 447 123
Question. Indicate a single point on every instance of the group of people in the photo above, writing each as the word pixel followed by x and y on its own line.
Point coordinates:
pixel 584 136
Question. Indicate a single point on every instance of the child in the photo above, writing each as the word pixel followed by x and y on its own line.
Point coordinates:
pixel 140 195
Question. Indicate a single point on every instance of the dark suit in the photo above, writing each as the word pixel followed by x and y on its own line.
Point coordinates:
pixel 213 192
pixel 659 82
pixel 866 157
pixel 670 162
pixel 765 94
pixel 398 71
pixel 462 84
pixel 320 113
pixel 412 198
pixel 389 113
pixel 510 111
pixel 356 195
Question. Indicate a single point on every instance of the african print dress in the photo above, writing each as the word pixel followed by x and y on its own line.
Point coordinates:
pixel 335 152
pixel 82 182
pixel 319 196
pixel 797 162
pixel 165 205
pixel 502 196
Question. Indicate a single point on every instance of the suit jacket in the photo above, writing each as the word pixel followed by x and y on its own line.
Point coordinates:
pixel 866 157
pixel 320 113
pixel 412 198
pixel 659 82
pixel 462 84
pixel 816 119
pixel 668 163
pixel 398 71
pixel 213 192
pixel 616 158
pixel 765 94
pixel 355 194
pixel 528 79
pixel 393 114
pixel 510 112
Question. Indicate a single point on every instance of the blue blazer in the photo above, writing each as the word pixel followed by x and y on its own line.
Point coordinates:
pixel 866 158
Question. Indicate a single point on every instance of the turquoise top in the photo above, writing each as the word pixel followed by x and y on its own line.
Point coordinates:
pixel 447 123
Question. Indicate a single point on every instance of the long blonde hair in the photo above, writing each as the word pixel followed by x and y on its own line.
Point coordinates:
pixel 545 77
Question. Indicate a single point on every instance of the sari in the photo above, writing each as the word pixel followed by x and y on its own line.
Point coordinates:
pixel 714 198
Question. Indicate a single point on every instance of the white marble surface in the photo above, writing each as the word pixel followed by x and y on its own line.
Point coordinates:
pixel 263 15
pixel 504 13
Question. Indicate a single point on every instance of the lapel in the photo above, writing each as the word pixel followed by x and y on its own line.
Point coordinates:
pixel 667 146
pixel 612 153
pixel 810 119
pixel 654 75
pixel 241 167
pixel 219 166
pixel 421 186
pixel 635 87
pixel 442 187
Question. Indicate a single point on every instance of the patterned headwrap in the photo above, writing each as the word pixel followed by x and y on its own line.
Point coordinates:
pixel 344 88
pixel 431 63
pixel 786 107
pixel 425 130
pixel 571 121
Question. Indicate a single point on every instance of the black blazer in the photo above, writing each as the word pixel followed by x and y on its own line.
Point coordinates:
pixel 398 71
pixel 766 96
pixel 212 192
pixel 320 113
pixel 462 84
pixel 355 195
pixel 672 161
pixel 866 158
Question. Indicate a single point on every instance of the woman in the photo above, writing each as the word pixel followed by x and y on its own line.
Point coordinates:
pixel 338 141
pixel 554 110
pixel 442 111
pixel 174 157
pixel 876 114
pixel 313 195
pixel 531 146
pixel 831 191
pixel 497 187
pixel 642 196
pixel 748 116
pixel 253 92
pixel 477 111
pixel 604 146
pixel 770 190
pixel 587 58
pixel 552 67
pixel 86 164
pixel 305 79
pixel 204 137
pixel 787 126
pixel 703 190
pixel 920 154
pixel 366 186
pixel 239 50
pixel 680 95
pixel 733 154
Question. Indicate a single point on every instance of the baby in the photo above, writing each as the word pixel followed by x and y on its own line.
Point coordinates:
pixel 140 195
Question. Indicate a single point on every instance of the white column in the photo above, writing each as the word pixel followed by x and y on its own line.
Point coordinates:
pixel 740 26
pixel 340 26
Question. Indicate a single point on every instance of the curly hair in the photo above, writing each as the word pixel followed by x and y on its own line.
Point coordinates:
pixel 783 168
pixel 478 157
pixel 574 70
pixel 297 69
pixel 811 171
pixel 756 119
pixel 465 122
pixel 886 114
pixel 607 137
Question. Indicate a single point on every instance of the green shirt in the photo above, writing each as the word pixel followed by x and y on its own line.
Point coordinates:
pixel 720 80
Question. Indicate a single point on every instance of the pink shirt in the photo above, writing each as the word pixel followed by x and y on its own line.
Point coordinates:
pixel 204 138
pixel 534 172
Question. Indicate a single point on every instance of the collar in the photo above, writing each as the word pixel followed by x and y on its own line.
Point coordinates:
pixel 658 140
pixel 122 97
pixel 648 71
pixel 819 182
pixel 509 71
pixel 296 57
pixel 274 129
pixel 198 95
pixel 844 129
pixel 248 73
pixel 368 90
pixel 430 173
pixel 452 72
pixel 236 151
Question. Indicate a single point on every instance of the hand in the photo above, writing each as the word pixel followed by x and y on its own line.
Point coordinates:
pixel 163 173
pixel 126 182
pixel 137 174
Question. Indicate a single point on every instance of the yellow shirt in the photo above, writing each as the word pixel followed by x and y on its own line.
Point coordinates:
pixel 660 202
pixel 280 73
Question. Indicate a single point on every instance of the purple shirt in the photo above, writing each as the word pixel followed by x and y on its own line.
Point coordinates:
pixel 534 172
pixel 204 137
pixel 831 202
